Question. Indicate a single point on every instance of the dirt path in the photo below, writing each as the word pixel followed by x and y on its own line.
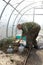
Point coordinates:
pixel 35 58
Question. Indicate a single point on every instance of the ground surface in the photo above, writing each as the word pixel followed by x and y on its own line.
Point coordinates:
pixel 35 58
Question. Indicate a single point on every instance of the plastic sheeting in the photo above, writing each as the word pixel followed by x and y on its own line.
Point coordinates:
pixel 13 12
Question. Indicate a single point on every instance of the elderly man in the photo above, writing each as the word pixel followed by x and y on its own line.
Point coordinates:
pixel 30 30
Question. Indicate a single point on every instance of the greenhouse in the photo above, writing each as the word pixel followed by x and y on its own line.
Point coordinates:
pixel 21 32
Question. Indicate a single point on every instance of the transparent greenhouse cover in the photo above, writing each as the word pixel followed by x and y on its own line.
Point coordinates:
pixel 13 12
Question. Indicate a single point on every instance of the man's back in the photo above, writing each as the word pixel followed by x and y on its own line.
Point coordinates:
pixel 30 26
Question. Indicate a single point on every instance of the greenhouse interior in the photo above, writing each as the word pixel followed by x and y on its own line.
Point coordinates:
pixel 21 32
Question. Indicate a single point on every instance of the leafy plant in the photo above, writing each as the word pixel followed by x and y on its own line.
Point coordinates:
pixel 6 41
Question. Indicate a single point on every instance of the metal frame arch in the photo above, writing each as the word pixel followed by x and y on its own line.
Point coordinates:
pixel 17 16
pixel 18 21
pixel 4 8
pixel 21 15
pixel 25 12
pixel 10 17
pixel 23 9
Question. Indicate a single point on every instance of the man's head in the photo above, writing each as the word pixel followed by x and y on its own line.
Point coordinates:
pixel 19 26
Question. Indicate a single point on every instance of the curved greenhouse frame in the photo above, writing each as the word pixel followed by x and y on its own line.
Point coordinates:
pixel 13 12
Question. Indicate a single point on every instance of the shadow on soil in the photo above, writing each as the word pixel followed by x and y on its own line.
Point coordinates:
pixel 34 59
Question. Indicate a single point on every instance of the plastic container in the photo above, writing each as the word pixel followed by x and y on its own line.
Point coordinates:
pixel 21 48
pixel 18 37
pixel 10 49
